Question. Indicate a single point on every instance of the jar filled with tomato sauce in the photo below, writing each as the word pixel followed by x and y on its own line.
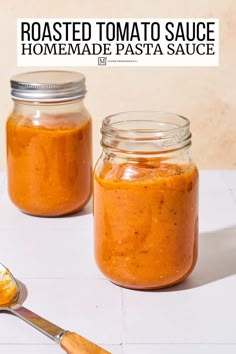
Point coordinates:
pixel 49 143
pixel 146 200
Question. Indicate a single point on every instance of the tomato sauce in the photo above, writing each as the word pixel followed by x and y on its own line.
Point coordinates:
pixel 146 223
pixel 49 167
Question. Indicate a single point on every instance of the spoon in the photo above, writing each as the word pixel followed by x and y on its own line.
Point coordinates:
pixel 71 342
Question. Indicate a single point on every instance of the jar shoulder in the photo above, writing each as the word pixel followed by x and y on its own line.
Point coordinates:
pixel 143 170
pixel 36 117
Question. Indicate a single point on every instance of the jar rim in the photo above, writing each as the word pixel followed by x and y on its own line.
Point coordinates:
pixel 165 130
pixel 107 120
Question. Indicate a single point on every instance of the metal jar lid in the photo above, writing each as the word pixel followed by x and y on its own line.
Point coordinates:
pixel 48 86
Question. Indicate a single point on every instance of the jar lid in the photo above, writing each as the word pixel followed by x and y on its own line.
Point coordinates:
pixel 46 86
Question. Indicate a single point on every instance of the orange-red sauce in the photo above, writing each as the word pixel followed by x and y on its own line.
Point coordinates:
pixel 49 168
pixel 146 223
pixel 7 289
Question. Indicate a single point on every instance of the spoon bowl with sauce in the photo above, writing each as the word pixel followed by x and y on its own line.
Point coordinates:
pixel 71 342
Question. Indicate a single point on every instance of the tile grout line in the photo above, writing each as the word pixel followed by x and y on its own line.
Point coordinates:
pixel 2 179
pixel 128 344
pixel 181 343
pixel 53 344
pixel 61 278
pixel 29 344
pixel 231 190
pixel 123 320
pixel 122 348
pixel 222 177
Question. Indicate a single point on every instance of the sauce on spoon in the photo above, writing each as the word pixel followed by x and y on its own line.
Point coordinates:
pixel 8 288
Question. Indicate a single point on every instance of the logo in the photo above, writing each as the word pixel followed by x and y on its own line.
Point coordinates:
pixel 102 61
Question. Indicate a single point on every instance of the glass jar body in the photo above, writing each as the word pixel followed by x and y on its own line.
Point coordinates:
pixel 49 157
pixel 145 221
pixel 145 205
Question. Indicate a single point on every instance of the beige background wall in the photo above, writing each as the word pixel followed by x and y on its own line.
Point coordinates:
pixel 206 95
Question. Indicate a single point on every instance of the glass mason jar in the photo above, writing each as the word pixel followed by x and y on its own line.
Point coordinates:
pixel 49 143
pixel 146 200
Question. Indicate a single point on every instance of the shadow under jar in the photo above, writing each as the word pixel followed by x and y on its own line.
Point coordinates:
pixel 49 143
pixel 146 200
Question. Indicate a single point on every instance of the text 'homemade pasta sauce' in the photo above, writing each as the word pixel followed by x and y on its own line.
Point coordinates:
pixel 145 216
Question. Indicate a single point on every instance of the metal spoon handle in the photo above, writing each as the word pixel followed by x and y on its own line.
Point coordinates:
pixel 49 329
pixel 72 343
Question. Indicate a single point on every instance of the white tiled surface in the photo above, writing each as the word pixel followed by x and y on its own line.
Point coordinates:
pixel 53 260
pixel 229 177
pixel 180 349
pixel 48 349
